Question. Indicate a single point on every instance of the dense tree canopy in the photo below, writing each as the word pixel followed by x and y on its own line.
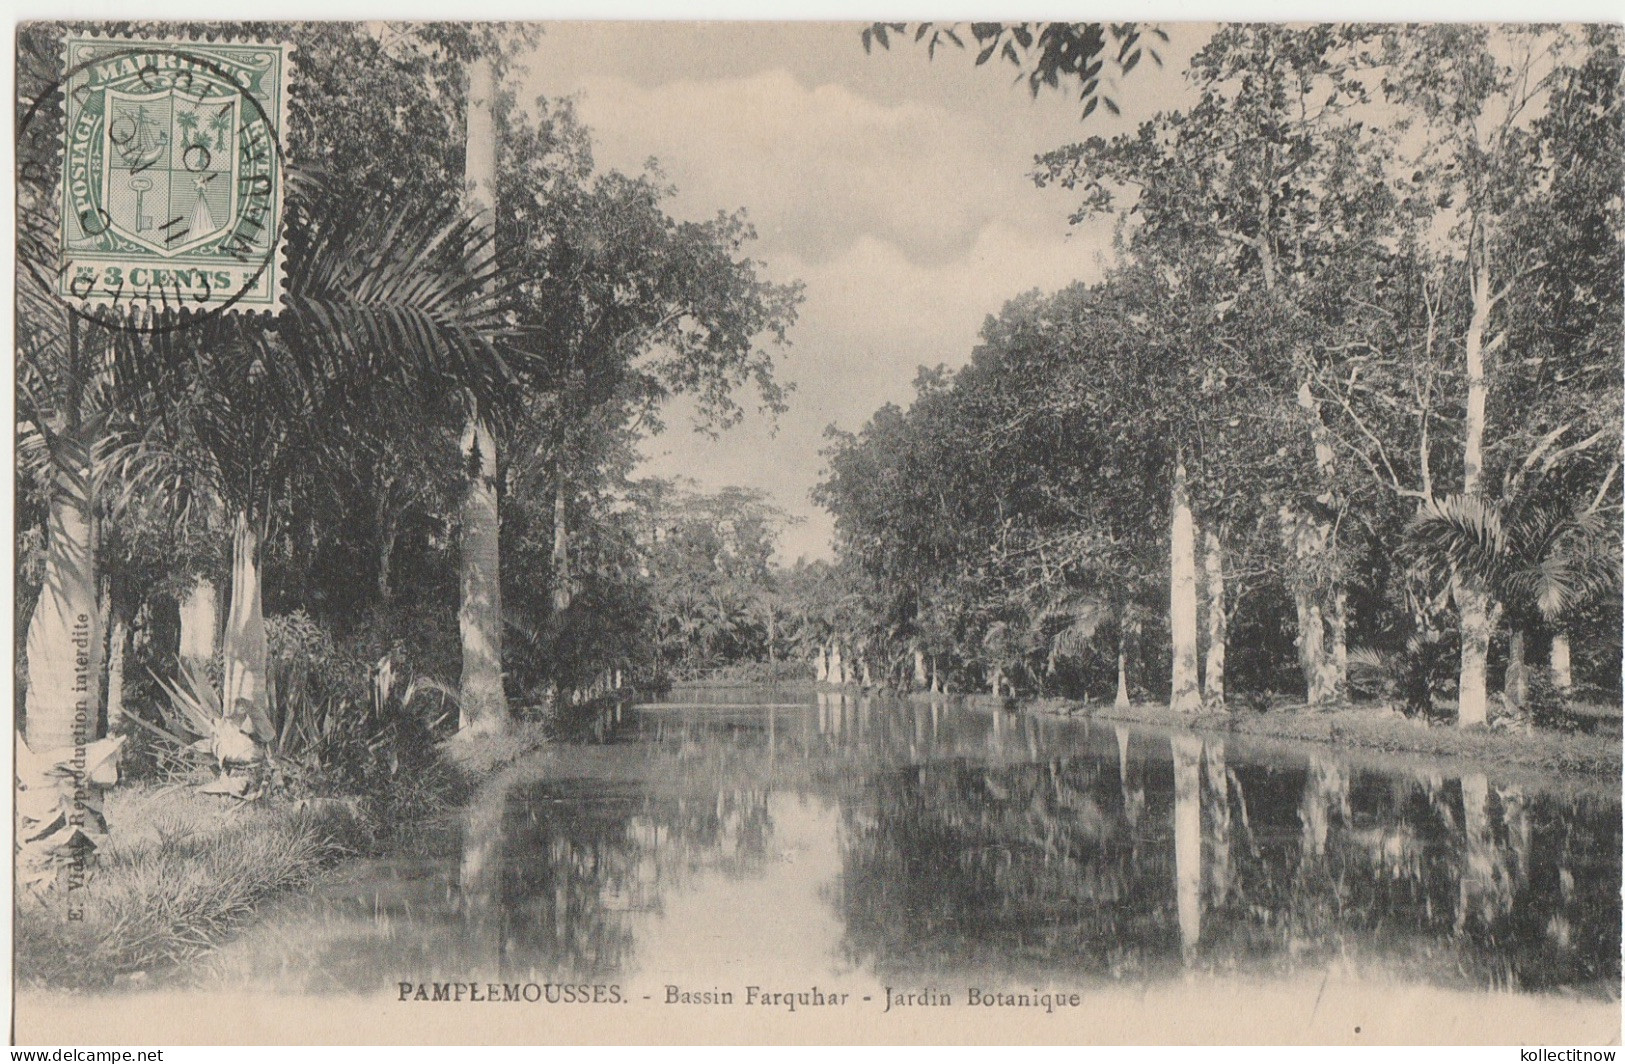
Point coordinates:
pixel 1353 355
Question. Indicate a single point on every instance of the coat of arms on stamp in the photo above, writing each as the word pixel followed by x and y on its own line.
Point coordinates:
pixel 172 179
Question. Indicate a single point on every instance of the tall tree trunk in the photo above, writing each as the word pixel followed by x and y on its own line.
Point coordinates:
pixel 920 678
pixel 118 639
pixel 1337 623
pixel 479 618
pixel 1562 671
pixel 1213 675
pixel 561 546
pixel 244 647
pixel 200 625
pixel 1517 677
pixel 837 665
pixel 1311 642
pixel 1475 648
pixel 64 632
pixel 484 702
pixel 821 664
pixel 1477 624
pixel 1125 632
pixel 1330 671
pixel 1306 540
pixel 1184 697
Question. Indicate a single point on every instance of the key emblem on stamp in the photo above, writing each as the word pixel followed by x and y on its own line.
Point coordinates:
pixel 172 183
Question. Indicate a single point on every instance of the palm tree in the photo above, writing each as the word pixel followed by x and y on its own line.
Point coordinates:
pixel 63 402
pixel 1538 562
pixel 479 617
pixel 382 308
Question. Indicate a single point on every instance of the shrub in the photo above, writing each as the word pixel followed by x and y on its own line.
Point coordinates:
pixel 1547 705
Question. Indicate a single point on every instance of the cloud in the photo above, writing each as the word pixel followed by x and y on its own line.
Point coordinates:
pixel 871 317
pixel 909 220
pixel 818 167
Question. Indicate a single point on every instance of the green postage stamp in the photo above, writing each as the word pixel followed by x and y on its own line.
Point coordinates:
pixel 172 178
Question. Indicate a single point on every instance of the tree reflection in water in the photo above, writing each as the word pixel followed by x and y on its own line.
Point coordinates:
pixel 556 879
pixel 948 843
pixel 1113 866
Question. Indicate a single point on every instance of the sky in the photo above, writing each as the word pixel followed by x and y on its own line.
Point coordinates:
pixel 895 188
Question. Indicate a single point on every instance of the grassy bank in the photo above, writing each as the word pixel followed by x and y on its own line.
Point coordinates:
pixel 1538 752
pixel 180 871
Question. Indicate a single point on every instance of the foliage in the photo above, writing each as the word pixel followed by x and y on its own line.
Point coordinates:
pixel 1298 287
pixel 178 876
pixel 1044 53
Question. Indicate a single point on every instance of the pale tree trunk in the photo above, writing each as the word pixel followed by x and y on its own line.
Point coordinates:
pixel 244 646
pixel 561 548
pixel 1184 696
pixel 1477 624
pixel 1562 671
pixel 1517 677
pixel 920 678
pixel 479 618
pixel 1125 632
pixel 1306 540
pixel 1330 670
pixel 1337 624
pixel 1475 647
pixel 867 680
pixel 996 681
pixel 1187 755
pixel 837 665
pixel 821 664
pixel 200 625
pixel 1311 639
pixel 936 680
pixel 118 639
pixel 1309 539
pixel 484 702
pixel 1213 675
pixel 64 632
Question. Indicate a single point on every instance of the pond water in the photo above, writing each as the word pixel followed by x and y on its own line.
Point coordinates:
pixel 725 836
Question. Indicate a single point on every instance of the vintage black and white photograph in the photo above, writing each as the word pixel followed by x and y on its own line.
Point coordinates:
pixel 817 532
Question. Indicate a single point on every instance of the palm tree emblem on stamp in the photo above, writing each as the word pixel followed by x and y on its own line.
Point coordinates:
pixel 172 185
pixel 169 178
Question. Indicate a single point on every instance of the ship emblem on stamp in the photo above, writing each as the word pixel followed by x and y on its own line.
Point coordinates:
pixel 172 183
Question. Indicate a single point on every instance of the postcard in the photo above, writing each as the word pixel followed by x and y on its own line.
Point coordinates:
pixel 818 532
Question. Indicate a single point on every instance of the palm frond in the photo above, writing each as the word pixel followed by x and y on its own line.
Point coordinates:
pixel 1460 534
